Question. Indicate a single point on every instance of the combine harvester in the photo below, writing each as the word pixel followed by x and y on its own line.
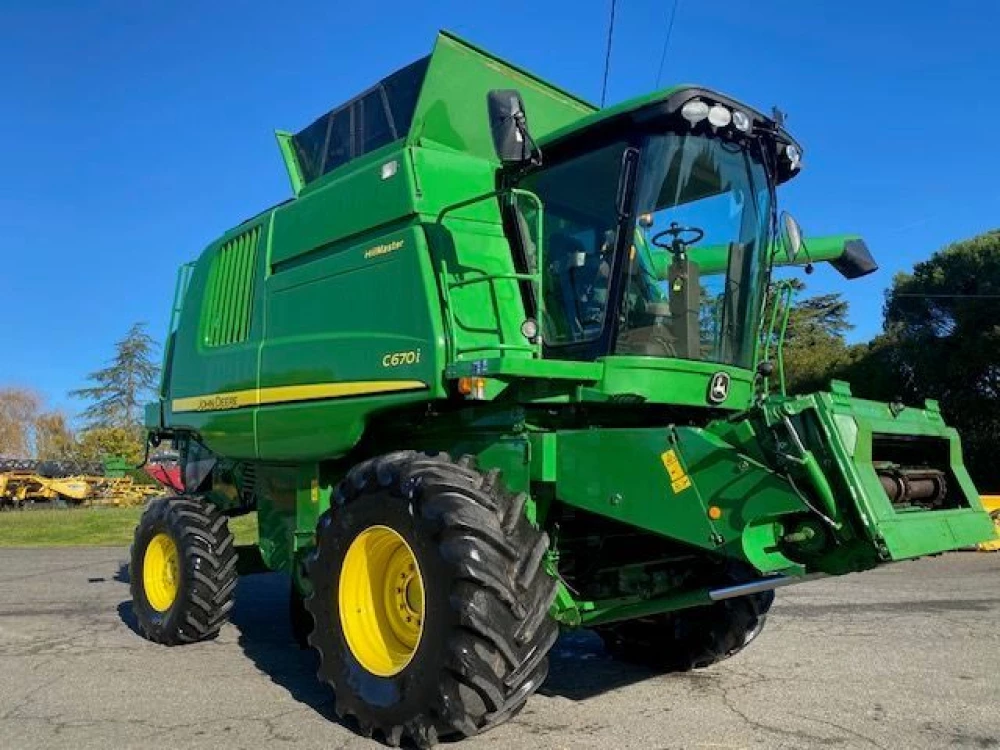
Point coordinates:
pixel 501 367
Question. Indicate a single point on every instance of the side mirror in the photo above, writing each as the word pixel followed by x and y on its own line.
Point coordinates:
pixel 791 236
pixel 509 127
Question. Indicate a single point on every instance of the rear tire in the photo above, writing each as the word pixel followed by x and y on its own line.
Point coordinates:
pixel 481 606
pixel 689 638
pixel 299 618
pixel 183 570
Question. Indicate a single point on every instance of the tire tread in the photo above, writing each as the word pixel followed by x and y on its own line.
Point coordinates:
pixel 209 564
pixel 500 592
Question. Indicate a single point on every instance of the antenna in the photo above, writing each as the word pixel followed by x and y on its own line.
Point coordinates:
pixel 607 56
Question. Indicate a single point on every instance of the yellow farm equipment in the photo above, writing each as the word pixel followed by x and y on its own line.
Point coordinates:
pixel 26 483
pixel 991 504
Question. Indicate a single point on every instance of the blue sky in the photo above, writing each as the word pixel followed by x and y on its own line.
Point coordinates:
pixel 135 132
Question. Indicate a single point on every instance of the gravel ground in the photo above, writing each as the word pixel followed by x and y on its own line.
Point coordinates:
pixel 903 657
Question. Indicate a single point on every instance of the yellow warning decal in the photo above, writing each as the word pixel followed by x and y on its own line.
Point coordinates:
pixel 679 480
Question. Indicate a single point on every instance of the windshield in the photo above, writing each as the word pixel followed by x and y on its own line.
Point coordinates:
pixel 693 267
pixel 695 270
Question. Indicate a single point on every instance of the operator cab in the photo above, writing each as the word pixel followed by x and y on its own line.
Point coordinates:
pixel 658 220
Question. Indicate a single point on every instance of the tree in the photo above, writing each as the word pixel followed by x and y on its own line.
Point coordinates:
pixel 98 443
pixel 113 419
pixel 28 431
pixel 119 389
pixel 53 438
pixel 942 341
pixel 18 411
pixel 815 350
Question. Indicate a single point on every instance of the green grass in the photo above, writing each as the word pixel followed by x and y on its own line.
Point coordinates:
pixel 89 527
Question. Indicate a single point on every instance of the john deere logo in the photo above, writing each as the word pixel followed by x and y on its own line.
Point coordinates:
pixel 718 388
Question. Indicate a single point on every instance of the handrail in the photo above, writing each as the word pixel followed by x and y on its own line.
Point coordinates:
pixel 492 277
pixel 468 202
pixel 789 290
pixel 497 347
pixel 539 264
pixel 535 278
pixel 783 291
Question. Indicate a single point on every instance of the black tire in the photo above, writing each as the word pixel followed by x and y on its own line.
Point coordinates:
pixel 486 629
pixel 207 570
pixel 689 638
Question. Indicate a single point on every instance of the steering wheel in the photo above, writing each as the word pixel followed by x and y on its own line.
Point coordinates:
pixel 677 244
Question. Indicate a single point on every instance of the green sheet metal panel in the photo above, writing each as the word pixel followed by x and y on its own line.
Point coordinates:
pixel 631 475
pixel 349 201
pixel 362 316
pixel 852 425
pixel 451 110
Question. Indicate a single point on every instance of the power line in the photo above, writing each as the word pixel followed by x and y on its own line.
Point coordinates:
pixel 607 56
pixel 666 43
pixel 947 296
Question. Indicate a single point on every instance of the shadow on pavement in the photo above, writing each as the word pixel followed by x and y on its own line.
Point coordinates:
pixel 261 616
pixel 580 668
pixel 127 616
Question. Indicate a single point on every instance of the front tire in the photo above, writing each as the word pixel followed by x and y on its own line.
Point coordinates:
pixel 183 570
pixel 692 638
pixel 430 599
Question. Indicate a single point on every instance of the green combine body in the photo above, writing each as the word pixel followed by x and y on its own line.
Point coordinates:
pixel 475 395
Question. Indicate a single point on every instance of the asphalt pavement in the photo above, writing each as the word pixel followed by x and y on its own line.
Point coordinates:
pixel 907 656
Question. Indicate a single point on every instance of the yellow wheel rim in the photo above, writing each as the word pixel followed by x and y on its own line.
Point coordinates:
pixel 381 601
pixel 161 572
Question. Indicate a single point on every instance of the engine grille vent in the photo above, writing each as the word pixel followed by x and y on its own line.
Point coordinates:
pixel 229 293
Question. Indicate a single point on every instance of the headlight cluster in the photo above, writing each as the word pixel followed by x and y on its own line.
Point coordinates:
pixel 717 115
pixel 720 116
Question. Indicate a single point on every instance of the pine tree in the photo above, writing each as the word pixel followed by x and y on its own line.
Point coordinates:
pixel 119 390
